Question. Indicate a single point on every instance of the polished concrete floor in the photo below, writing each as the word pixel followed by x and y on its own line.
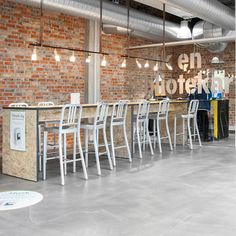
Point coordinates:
pixel 178 193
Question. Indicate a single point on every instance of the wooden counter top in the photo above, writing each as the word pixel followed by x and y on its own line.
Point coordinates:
pixel 132 103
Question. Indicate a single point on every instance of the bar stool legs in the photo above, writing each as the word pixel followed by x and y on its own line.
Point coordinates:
pixel 189 133
pixel 86 146
pixel 107 148
pixel 168 134
pixel 45 138
pixel 127 143
pixel 198 135
pixel 61 160
pixel 192 115
pixel 112 146
pixel 162 114
pixel 82 159
pixel 98 124
pixel 143 136
pixel 118 119
pixel 149 138
pixel 139 141
pixel 71 125
pixel 95 142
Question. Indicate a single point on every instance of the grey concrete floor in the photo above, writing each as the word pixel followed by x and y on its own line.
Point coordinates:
pixel 174 194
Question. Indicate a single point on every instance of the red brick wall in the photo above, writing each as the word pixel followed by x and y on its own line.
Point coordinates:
pixel 124 83
pixel 22 80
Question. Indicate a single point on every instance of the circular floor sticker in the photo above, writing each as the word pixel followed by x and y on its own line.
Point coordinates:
pixel 18 199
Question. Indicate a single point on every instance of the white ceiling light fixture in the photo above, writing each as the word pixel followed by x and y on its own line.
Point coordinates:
pixel 57 56
pixel 146 65
pixel 123 64
pixel 184 31
pixel 72 57
pixel 215 60
pixel 156 67
pixel 88 59
pixel 34 56
pixel 169 66
pixel 104 61
pixel 138 64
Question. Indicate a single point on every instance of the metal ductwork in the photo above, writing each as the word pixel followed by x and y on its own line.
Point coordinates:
pixel 204 30
pixel 209 10
pixel 113 29
pixel 142 24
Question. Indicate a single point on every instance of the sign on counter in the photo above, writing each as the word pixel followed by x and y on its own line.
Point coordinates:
pixel 75 98
pixel 17 131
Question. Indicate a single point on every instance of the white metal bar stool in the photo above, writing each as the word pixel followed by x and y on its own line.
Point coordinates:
pixel 118 118
pixel 141 127
pixel 99 123
pixel 192 115
pixel 20 104
pixel 44 123
pixel 69 124
pixel 162 114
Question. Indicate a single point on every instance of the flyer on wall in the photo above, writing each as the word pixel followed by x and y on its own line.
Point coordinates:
pixel 17 131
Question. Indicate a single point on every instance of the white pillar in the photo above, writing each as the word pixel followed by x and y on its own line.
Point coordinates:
pixel 92 88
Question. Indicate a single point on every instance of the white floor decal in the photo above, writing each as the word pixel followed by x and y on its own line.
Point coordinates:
pixel 18 199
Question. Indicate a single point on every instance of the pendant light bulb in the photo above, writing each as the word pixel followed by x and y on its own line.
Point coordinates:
pixel 123 64
pixel 156 67
pixel 56 56
pixel 104 62
pixel 34 56
pixel 72 57
pixel 138 64
pixel 146 65
pixel 169 66
pixel 88 59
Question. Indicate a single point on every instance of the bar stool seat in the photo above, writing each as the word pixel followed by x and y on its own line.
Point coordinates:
pixel 187 116
pixel 18 104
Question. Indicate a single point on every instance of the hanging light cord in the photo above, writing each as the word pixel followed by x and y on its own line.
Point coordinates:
pixel 41 24
pixel 128 33
pixel 100 29
pixel 164 33
pixel 41 44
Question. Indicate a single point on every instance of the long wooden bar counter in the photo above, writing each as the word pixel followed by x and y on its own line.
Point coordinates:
pixel 24 164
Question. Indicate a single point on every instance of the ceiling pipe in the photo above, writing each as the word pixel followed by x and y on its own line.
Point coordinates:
pixel 113 29
pixel 186 42
pixel 212 11
pixel 111 14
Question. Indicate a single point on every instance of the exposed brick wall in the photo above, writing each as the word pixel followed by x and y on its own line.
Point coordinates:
pixel 22 80
pixel 123 83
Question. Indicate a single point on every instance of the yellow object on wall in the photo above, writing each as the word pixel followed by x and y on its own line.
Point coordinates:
pixel 214 105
